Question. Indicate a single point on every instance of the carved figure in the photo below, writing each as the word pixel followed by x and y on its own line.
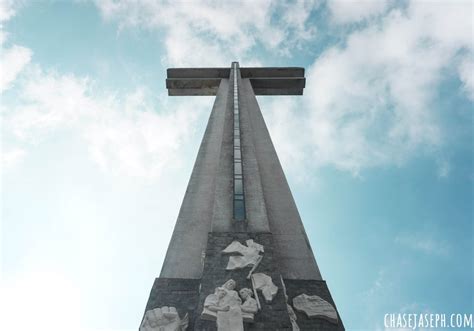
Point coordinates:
pixel 315 307
pixel 264 283
pixel 249 306
pixel 226 304
pixel 291 312
pixel 211 305
pixel 293 318
pixel 164 319
pixel 250 255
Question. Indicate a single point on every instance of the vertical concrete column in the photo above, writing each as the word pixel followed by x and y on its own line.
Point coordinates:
pixel 256 215
pixel 222 213
pixel 184 258
pixel 292 247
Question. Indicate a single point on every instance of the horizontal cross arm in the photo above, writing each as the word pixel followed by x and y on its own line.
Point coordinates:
pixel 275 80
pixel 265 81
pixel 192 86
pixel 278 85
pixel 198 72
pixel 195 81
pixel 271 72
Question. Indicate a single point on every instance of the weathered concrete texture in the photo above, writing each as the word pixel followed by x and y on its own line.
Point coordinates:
pixel 205 81
pixel 254 196
pixel 278 86
pixel 273 316
pixel 257 220
pixel 259 72
pixel 223 205
pixel 192 86
pixel 295 256
pixel 273 91
pixel 249 72
pixel 188 243
pixel 183 294
pixel 312 287
pixel 198 73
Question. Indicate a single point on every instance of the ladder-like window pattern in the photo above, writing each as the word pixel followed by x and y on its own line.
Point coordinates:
pixel 239 198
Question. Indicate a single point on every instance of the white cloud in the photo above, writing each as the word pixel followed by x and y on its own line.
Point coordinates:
pixel 12 61
pixel 379 283
pixel 444 168
pixel 131 135
pixel 138 142
pixel 11 157
pixel 184 48
pixel 350 11
pixel 290 135
pixel 425 243
pixel 51 296
pixel 14 58
pixel 371 102
pixel 466 74
pixel 6 10
pixel 209 33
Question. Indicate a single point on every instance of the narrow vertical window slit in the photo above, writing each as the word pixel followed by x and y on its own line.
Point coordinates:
pixel 239 197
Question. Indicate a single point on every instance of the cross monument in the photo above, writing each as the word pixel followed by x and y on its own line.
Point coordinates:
pixel 239 258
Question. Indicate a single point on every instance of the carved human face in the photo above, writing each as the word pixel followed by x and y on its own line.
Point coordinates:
pixel 220 293
pixel 230 284
pixel 244 293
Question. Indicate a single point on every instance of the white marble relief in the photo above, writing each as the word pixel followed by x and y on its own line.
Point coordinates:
pixel 264 283
pixel 293 318
pixel 249 255
pixel 249 306
pixel 315 307
pixel 211 305
pixel 291 312
pixel 224 306
pixel 164 319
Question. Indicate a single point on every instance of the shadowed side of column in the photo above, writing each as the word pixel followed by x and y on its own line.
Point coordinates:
pixel 188 243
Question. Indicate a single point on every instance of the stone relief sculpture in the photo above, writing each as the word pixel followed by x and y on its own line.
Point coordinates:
pixel 264 283
pixel 249 306
pixel 291 312
pixel 293 318
pixel 225 304
pixel 249 255
pixel 315 307
pixel 211 305
pixel 164 319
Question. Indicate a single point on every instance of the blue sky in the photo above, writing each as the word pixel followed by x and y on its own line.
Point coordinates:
pixel 96 157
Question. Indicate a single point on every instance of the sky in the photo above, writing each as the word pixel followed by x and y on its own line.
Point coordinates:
pixel 96 157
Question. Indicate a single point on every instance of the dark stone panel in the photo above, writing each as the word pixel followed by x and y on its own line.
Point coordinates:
pixel 183 294
pixel 273 316
pixel 272 72
pixel 278 83
pixel 198 72
pixel 192 91
pixel 188 295
pixel 312 287
pixel 277 91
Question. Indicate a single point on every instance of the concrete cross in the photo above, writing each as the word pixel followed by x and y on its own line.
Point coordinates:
pixel 238 194
pixel 265 81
